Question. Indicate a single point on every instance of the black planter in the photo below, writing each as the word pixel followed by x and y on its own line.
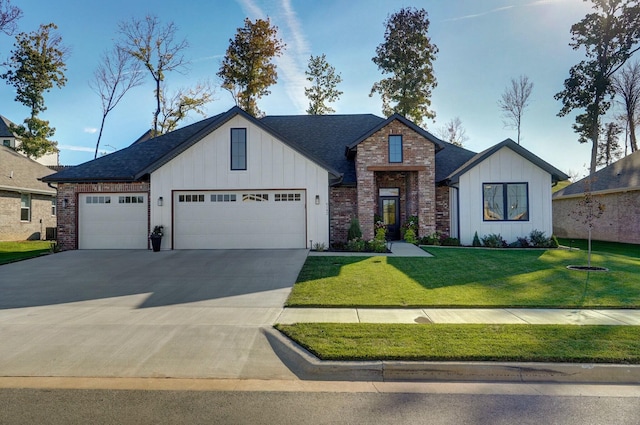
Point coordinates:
pixel 155 243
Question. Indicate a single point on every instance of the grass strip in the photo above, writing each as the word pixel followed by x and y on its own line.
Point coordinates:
pixel 15 251
pixel 467 277
pixel 452 342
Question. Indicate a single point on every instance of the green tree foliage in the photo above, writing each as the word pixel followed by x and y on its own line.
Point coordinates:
pixel 35 67
pixel 156 47
pixel 175 108
pixel 324 82
pixel 609 149
pixel 609 36
pixel 247 70
pixel 408 55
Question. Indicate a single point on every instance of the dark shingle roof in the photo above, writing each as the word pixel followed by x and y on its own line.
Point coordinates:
pixel 622 175
pixel 556 174
pixel 5 130
pixel 20 174
pixel 449 159
pixel 325 136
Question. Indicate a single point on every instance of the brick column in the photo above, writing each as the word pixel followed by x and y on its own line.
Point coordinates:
pixel 366 202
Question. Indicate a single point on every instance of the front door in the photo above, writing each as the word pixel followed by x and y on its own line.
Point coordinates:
pixel 390 212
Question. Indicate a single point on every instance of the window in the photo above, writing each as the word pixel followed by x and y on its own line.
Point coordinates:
pixel 131 199
pixel 53 206
pixel 98 199
pixel 191 198
pixel 6 143
pixel 25 207
pixel 238 148
pixel 287 197
pixel 505 201
pixel 228 197
pixel 395 148
pixel 257 197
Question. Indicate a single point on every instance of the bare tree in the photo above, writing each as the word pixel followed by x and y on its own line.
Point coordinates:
pixel 513 102
pixel 176 107
pixel 627 85
pixel 453 132
pixel 609 149
pixel 9 15
pixel 116 74
pixel 156 47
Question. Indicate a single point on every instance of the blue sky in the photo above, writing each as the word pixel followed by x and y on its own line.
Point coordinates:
pixel 482 45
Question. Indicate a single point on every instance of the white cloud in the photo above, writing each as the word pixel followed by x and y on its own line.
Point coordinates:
pixel 76 148
pixel 90 130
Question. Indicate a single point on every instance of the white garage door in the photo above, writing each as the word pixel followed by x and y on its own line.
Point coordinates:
pixel 112 221
pixel 240 219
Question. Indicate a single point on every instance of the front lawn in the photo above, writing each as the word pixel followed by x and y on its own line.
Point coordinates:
pixel 466 277
pixel 446 342
pixel 14 251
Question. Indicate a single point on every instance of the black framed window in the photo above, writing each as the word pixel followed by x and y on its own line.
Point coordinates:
pixel 505 201
pixel 395 148
pixel 238 148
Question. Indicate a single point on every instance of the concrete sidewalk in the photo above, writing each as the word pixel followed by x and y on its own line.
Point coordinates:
pixel 461 316
pixel 398 249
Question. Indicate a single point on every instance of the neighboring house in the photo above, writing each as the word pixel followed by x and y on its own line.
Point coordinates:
pixel 9 139
pixel 27 205
pixel 235 181
pixel 617 186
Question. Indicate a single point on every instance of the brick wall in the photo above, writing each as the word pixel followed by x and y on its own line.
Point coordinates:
pixel 417 151
pixel 13 229
pixel 443 211
pixel 619 223
pixel 68 216
pixel 344 207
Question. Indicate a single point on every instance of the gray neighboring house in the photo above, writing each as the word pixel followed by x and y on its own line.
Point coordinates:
pixel 27 205
pixel 293 181
pixel 617 186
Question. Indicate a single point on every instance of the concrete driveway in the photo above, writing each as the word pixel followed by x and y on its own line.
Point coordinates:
pixel 145 314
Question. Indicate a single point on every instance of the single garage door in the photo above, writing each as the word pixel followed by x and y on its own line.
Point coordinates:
pixel 240 219
pixel 112 221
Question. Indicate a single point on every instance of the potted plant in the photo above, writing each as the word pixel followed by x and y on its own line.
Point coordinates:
pixel 156 238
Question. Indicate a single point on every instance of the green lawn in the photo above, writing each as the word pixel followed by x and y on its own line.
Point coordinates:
pixel 628 249
pixel 465 277
pixel 15 251
pixel 443 342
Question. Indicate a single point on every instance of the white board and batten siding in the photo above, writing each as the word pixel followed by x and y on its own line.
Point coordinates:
pixel 504 166
pixel 273 168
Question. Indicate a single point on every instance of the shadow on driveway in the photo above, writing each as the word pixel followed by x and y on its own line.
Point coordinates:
pixel 168 277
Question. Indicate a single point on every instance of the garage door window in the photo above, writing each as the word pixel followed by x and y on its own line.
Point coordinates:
pixel 98 199
pixel 238 148
pixel 131 199
pixel 258 197
pixel 191 198
pixel 224 198
pixel 287 197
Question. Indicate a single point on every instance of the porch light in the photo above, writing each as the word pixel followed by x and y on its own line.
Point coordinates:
pixel 317 199
pixel 160 200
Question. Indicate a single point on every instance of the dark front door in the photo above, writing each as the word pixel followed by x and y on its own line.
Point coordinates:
pixel 390 212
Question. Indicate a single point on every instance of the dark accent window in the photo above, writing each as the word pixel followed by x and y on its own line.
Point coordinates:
pixel 395 148
pixel 505 201
pixel 238 148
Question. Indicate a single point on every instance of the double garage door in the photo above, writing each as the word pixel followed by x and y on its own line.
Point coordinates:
pixel 253 219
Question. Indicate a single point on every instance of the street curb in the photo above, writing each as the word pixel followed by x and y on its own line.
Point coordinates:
pixel 307 366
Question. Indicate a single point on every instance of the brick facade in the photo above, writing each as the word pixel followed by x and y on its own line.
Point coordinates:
pixel 443 211
pixel 415 175
pixel 618 223
pixel 343 207
pixel 68 215
pixel 14 229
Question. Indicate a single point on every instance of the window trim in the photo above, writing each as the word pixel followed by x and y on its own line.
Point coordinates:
pixel 28 207
pixel 231 149
pixel 401 148
pixel 505 202
pixel 54 206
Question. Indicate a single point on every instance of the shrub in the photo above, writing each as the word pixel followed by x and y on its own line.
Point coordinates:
pixel 432 239
pixel 354 232
pixel 521 243
pixel 449 241
pixel 476 240
pixel 539 240
pixel 356 245
pixel 410 236
pixel 493 240
pixel 319 246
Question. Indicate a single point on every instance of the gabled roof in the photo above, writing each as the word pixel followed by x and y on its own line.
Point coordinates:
pixel 20 174
pixel 449 159
pixel 325 136
pixel 556 175
pixel 622 175
pixel 5 127
pixel 424 133
pixel 141 158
